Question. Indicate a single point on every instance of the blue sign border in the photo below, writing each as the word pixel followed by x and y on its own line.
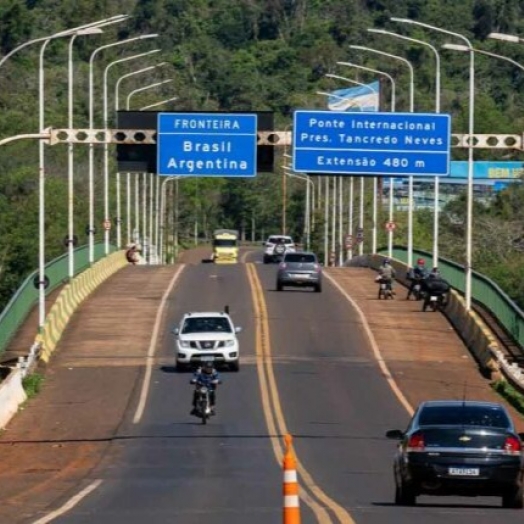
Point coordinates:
pixel 325 153
pixel 206 143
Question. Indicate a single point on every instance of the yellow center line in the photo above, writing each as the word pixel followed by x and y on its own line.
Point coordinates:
pixel 273 409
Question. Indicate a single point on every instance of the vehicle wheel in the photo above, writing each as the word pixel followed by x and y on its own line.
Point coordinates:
pixel 280 287
pixel 266 259
pixel 513 499
pixel 379 294
pixel 404 495
pixel 318 288
pixel 235 366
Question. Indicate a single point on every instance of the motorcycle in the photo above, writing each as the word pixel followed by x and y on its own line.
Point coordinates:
pixel 434 301
pixel 203 404
pixel 278 252
pixel 385 288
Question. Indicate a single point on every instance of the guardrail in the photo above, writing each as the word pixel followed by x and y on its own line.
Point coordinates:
pixel 483 291
pixel 25 298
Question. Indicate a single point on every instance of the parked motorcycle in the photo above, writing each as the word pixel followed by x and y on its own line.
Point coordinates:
pixel 434 301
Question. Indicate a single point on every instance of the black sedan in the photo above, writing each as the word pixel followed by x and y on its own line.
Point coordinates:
pixel 464 448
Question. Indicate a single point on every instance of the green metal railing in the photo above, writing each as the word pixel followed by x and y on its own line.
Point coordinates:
pixel 483 291
pixel 57 271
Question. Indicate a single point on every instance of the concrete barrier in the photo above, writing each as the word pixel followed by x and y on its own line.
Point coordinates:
pixel 71 296
pixel 12 394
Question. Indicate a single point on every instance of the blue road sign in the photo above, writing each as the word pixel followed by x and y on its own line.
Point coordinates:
pixel 207 144
pixel 375 144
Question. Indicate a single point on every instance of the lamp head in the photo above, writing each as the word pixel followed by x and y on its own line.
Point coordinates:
pixel 401 20
pixel 95 30
pixel 505 37
pixel 456 47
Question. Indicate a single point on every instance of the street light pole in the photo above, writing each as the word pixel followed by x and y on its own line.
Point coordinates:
pixel 91 146
pixel 436 203
pixel 106 152
pixel 392 108
pixel 471 130
pixel 411 109
pixel 375 185
pixel 70 157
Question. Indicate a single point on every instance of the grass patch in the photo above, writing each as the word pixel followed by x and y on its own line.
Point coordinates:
pixel 510 394
pixel 32 384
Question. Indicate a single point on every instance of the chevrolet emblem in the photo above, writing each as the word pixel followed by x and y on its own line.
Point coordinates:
pixel 464 438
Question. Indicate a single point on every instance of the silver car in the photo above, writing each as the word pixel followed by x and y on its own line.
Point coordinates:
pixel 300 269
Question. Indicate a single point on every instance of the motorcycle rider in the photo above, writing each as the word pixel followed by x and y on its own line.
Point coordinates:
pixel 435 286
pixel 386 273
pixel 208 376
pixel 416 275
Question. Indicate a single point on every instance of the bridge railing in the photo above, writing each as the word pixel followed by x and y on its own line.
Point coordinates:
pixel 483 291
pixel 25 298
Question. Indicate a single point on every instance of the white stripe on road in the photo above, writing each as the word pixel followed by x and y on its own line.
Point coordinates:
pixel 152 347
pixel 70 504
pixel 374 346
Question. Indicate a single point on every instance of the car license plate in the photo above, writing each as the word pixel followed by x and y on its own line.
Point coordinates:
pixel 464 472
pixel 300 275
pixel 433 298
pixel 207 359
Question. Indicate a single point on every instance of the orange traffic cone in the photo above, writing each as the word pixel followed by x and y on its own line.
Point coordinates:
pixel 291 500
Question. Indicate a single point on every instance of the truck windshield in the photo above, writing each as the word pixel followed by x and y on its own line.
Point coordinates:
pixel 220 242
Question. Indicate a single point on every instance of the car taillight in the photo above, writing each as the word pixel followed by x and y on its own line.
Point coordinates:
pixel 316 267
pixel 512 446
pixel 282 265
pixel 416 442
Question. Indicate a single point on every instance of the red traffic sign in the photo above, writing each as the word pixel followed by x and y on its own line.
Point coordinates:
pixel 107 225
pixel 390 226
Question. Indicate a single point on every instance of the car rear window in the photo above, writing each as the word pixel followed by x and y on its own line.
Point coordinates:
pixel 464 415
pixel 300 258
pixel 206 324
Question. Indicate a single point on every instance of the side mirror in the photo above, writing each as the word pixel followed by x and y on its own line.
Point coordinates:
pixel 238 329
pixel 175 331
pixel 395 434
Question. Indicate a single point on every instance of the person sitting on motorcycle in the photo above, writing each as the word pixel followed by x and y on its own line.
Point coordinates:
pixel 416 275
pixel 435 286
pixel 386 272
pixel 208 376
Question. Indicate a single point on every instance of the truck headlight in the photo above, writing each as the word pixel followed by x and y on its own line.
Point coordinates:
pixel 184 343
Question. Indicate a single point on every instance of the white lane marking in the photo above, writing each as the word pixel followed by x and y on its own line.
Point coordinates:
pixel 70 504
pixel 374 346
pixel 152 347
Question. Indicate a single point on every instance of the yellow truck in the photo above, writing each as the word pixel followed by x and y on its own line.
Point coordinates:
pixel 225 246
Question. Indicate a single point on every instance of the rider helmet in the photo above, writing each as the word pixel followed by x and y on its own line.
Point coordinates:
pixel 207 368
pixel 387 261
pixel 421 262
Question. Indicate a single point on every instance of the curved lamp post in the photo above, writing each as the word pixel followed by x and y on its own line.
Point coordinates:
pixel 91 146
pixel 471 130
pixel 411 109
pixel 375 185
pixel 106 151
pixel 361 213
pixel 41 154
pixel 128 190
pixel 437 110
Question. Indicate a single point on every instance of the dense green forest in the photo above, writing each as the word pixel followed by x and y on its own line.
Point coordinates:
pixel 250 55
